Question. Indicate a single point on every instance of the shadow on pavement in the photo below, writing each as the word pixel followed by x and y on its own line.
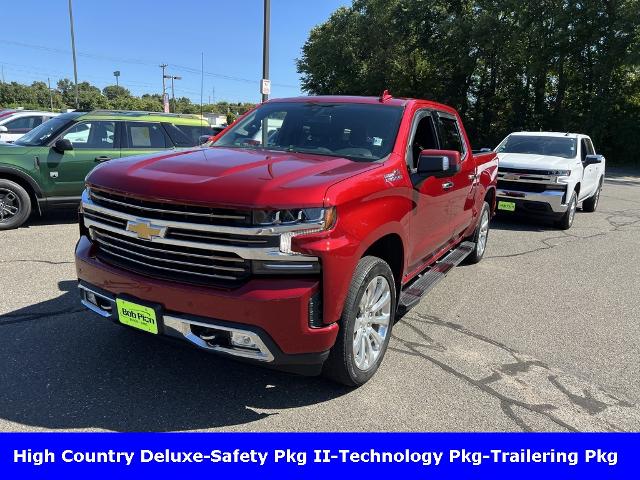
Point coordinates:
pixel 53 217
pixel 65 368
pixel 521 223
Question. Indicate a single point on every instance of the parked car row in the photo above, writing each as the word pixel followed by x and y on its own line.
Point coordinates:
pixel 46 167
pixel 300 234
pixel 15 123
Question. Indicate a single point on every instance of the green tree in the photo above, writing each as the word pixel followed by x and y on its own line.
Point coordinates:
pixel 506 65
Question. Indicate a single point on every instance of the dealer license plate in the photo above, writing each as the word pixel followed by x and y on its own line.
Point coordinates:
pixel 137 316
pixel 508 206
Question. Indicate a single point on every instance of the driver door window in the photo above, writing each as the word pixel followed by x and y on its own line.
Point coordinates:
pixel 92 136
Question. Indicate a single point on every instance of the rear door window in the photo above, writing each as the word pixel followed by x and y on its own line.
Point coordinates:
pixel 450 135
pixel 145 135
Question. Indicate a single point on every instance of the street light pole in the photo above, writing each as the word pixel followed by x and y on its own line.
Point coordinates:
pixel 73 52
pixel 173 92
pixel 265 46
pixel 265 86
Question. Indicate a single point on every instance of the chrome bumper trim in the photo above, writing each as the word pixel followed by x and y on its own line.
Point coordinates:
pixel 179 327
pixel 551 197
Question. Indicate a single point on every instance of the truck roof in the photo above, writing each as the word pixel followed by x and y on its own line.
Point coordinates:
pixel 395 101
pixel 549 134
pixel 175 118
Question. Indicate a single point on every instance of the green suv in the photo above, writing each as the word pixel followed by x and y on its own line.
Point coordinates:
pixel 46 167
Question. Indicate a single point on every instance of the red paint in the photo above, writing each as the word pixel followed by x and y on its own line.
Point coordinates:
pixel 428 220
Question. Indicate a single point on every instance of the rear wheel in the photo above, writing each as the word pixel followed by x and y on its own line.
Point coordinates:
pixel 15 205
pixel 567 219
pixel 365 326
pixel 591 203
pixel 480 236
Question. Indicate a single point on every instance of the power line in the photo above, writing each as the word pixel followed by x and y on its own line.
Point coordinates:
pixel 139 62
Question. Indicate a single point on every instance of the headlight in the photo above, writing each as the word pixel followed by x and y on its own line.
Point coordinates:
pixel 562 173
pixel 295 222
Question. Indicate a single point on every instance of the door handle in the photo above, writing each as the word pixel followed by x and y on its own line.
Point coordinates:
pixel 447 185
pixel 102 158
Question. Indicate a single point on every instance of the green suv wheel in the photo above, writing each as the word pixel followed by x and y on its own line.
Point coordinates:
pixel 15 205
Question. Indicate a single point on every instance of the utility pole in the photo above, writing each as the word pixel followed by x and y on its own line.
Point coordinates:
pixel 164 87
pixel 73 52
pixel 265 87
pixel 50 93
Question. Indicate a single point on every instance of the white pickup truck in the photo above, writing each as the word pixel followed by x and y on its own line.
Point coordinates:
pixel 549 174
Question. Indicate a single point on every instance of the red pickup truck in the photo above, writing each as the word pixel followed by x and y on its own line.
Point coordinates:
pixel 297 238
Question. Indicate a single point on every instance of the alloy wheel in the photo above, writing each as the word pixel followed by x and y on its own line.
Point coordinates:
pixel 372 323
pixel 9 204
pixel 483 233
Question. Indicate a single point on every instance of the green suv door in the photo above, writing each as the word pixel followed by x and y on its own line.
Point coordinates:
pixel 93 141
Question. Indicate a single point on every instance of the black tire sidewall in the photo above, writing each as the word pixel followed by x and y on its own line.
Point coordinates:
pixel 25 205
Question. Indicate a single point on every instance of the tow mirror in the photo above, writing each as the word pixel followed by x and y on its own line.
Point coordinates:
pixel 63 144
pixel 592 160
pixel 438 163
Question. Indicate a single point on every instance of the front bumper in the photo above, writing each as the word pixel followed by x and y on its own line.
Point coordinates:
pixel 547 202
pixel 273 313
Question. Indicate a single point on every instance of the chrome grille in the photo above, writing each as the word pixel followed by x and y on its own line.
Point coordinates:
pixel 170 211
pixel 183 251
pixel 166 261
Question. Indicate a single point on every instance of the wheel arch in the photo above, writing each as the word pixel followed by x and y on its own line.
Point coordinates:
pixel 390 249
pixel 25 181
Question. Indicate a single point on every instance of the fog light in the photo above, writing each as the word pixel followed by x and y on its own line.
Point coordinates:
pixel 242 340
pixel 91 297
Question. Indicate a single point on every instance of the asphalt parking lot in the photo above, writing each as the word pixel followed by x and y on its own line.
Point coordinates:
pixel 543 334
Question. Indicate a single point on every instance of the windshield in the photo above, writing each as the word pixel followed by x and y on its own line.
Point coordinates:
pixel 551 146
pixel 43 133
pixel 356 131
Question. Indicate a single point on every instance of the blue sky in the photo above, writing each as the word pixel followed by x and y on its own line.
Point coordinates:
pixel 135 36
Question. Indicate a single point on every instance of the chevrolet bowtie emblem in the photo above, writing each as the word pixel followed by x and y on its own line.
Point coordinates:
pixel 145 230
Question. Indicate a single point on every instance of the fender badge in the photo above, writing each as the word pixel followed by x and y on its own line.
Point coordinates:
pixel 392 176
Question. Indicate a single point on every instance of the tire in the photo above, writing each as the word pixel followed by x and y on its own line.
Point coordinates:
pixel 347 362
pixel 591 203
pixel 15 205
pixel 567 219
pixel 480 236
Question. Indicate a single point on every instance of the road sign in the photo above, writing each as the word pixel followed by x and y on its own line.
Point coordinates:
pixel 265 87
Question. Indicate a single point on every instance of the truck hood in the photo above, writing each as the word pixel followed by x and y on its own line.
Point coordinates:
pixel 228 177
pixel 532 161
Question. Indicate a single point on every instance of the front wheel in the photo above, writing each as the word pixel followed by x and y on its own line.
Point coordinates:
pixel 365 326
pixel 15 205
pixel 567 219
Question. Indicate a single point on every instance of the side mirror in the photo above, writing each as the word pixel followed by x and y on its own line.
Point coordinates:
pixel 592 160
pixel 63 144
pixel 438 163
pixel 204 139
pixel 3 129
